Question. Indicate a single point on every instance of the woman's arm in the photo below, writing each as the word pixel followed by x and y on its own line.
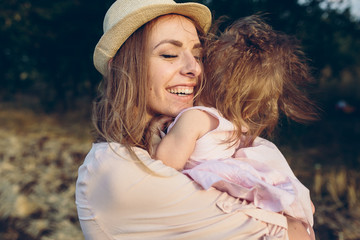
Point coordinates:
pixel 176 147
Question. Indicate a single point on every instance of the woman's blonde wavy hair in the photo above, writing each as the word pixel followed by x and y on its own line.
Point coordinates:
pixel 252 73
pixel 119 112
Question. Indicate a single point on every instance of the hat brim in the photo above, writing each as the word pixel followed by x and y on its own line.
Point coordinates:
pixel 111 40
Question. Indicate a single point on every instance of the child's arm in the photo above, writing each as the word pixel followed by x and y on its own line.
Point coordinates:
pixel 178 144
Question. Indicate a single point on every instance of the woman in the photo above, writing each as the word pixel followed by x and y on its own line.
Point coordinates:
pixel 149 57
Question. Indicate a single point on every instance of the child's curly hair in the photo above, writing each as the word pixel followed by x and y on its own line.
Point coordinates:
pixel 252 72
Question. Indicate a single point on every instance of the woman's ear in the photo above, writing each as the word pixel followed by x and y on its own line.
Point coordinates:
pixel 110 64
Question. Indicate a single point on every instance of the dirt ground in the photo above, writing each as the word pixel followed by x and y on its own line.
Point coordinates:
pixel 40 155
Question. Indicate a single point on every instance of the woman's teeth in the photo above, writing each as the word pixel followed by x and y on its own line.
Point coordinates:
pixel 181 91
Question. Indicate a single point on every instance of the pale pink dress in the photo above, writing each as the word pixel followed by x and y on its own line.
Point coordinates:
pixel 259 174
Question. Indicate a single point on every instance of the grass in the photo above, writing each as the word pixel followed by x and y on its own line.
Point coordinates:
pixel 39 158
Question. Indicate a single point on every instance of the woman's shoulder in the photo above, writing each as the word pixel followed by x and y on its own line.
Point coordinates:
pixel 108 158
pixel 104 152
pixel 102 159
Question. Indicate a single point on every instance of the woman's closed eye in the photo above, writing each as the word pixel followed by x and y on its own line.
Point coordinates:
pixel 168 56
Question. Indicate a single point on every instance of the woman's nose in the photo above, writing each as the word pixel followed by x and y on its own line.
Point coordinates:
pixel 192 67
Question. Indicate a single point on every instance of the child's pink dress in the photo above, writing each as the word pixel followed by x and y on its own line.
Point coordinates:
pixel 259 174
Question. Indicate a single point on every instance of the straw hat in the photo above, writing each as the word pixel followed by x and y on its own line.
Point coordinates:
pixel 125 16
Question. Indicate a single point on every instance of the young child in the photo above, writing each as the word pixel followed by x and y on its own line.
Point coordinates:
pixel 251 73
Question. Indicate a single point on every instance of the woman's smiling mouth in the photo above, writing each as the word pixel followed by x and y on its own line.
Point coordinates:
pixel 181 91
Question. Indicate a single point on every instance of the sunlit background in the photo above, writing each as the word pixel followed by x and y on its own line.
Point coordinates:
pixel 47 83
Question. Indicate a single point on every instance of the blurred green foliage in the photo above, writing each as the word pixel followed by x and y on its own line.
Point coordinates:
pixel 46 51
pixel 47 47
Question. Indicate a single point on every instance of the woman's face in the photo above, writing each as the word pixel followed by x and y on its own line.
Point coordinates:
pixel 174 67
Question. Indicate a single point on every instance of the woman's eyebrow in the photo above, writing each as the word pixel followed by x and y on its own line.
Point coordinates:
pixel 176 43
pixel 170 41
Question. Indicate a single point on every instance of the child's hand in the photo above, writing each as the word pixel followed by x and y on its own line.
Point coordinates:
pixel 153 137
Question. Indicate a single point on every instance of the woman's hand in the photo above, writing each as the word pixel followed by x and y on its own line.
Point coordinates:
pixel 152 136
